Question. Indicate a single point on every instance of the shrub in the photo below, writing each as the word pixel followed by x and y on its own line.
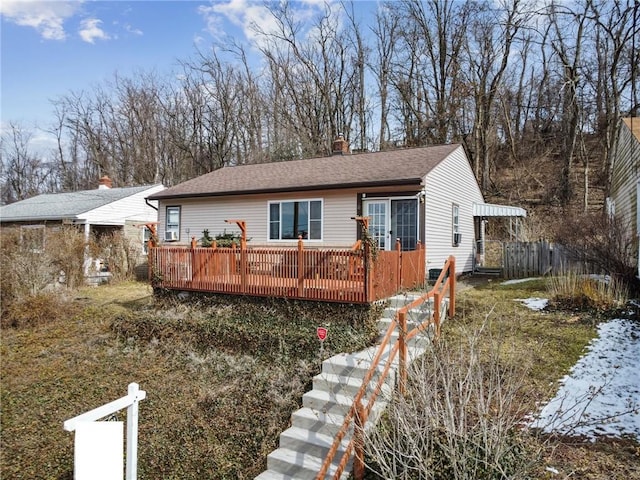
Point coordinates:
pixel 225 239
pixel 604 243
pixel 459 418
pixel 26 271
pixel 66 248
pixel 38 309
pixel 120 254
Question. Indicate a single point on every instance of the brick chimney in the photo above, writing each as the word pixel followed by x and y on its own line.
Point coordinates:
pixel 105 182
pixel 340 146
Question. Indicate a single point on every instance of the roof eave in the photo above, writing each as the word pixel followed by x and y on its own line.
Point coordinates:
pixel 340 186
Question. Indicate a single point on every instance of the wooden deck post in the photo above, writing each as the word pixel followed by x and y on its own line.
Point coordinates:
pixel 402 350
pixel 452 286
pixel 369 294
pixel 242 225
pixel 358 445
pixel 423 265
pixel 243 267
pixel 300 267
pixel 436 312
pixel 399 265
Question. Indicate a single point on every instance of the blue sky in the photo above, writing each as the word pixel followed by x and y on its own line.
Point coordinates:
pixel 52 47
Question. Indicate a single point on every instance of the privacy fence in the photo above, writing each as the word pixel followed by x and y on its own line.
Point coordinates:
pixel 529 259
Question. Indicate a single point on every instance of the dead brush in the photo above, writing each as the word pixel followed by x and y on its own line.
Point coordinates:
pixel 459 419
pixel 578 291
pixel 38 309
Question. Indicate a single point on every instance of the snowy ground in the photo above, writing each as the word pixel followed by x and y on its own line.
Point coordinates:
pixel 534 303
pixel 601 394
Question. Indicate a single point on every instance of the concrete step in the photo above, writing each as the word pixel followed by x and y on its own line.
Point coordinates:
pixel 399 301
pixel 350 365
pixel 285 463
pixel 317 421
pixel 310 443
pixel 331 403
pixel 339 384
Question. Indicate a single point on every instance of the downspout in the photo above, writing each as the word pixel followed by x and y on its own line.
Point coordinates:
pixel 146 200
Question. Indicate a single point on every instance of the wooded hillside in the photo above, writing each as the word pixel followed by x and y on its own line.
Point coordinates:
pixel 534 92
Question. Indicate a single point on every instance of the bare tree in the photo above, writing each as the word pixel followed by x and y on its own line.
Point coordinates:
pixel 426 73
pixel 315 87
pixel 492 32
pixel 386 31
pixel 569 50
pixel 23 172
pixel 617 27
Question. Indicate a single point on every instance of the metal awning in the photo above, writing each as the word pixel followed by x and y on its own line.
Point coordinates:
pixel 492 210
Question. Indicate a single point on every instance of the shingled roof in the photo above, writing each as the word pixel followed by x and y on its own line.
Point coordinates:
pixel 394 167
pixel 59 206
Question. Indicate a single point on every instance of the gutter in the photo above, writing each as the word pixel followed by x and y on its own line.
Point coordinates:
pixel 146 200
pixel 380 183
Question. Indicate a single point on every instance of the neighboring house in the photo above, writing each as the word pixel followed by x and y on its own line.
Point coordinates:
pixel 425 195
pixel 96 212
pixel 625 179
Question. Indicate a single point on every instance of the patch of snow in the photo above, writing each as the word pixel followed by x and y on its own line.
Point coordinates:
pixel 552 470
pixel 519 280
pixel 534 303
pixel 601 394
pixel 600 278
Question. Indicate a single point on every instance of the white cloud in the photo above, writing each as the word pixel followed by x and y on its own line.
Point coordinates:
pixel 90 30
pixel 247 15
pixel 47 18
pixel 132 30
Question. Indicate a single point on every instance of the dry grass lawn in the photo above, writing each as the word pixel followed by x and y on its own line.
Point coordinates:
pixel 216 413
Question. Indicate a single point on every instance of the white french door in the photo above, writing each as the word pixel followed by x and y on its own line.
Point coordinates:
pixel 378 213
pixel 393 218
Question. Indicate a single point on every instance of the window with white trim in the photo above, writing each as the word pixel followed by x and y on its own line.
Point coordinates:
pixel 290 219
pixel 172 224
pixel 455 225
pixel 33 237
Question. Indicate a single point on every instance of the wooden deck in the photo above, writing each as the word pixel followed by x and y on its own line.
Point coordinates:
pixel 336 275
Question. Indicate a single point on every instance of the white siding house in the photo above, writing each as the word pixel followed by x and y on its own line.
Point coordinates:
pixel 424 195
pixel 625 180
pixel 103 209
pixel 457 191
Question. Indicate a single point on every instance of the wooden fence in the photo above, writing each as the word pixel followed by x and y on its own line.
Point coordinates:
pixel 335 275
pixel 530 259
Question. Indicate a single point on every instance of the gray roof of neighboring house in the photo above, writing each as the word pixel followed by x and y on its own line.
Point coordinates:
pixel 394 167
pixel 58 206
pixel 633 123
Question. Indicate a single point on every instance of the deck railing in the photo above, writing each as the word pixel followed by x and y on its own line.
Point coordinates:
pixel 357 416
pixel 336 275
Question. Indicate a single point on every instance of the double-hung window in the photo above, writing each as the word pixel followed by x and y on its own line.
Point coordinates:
pixel 172 224
pixel 290 219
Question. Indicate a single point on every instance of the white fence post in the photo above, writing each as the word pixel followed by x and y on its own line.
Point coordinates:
pixel 130 402
pixel 132 432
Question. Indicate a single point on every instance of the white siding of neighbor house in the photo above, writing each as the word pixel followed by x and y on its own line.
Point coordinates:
pixel 625 180
pixel 133 208
pixel 452 181
pixel 624 177
pixel 196 215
